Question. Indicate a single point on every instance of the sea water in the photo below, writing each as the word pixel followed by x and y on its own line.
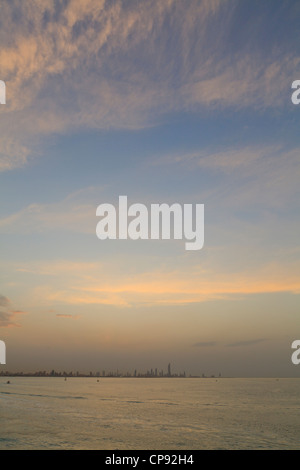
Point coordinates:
pixel 149 413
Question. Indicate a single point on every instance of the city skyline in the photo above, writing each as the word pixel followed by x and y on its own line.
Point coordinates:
pixel 152 373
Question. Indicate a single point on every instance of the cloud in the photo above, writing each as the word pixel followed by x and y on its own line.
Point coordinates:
pixel 253 342
pixel 221 160
pixel 253 174
pixel 7 313
pixel 74 213
pixel 248 82
pixel 64 315
pixel 117 283
pixel 243 160
pixel 4 302
pixel 12 154
pixel 72 65
pixel 48 217
pixel 247 342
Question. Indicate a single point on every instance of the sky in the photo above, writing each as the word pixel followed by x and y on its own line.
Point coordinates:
pixel 164 102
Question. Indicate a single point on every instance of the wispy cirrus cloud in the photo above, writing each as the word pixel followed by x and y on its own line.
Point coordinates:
pixel 45 217
pixel 223 160
pixel 73 65
pixel 13 154
pixel 74 213
pixel 252 174
pixel 252 342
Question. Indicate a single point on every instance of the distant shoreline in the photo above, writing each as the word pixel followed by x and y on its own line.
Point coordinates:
pixel 87 376
pixel 108 376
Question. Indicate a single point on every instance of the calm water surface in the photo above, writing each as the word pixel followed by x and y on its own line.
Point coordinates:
pixel 155 414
